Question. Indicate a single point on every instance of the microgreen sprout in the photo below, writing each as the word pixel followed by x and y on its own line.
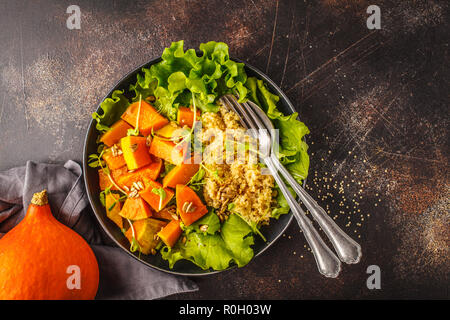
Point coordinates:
pixel 162 195
pixel 95 161
pixel 214 173
pixel 122 198
pixel 135 131
pixel 134 243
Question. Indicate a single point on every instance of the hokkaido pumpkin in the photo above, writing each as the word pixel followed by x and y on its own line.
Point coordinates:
pixel 171 233
pixel 168 213
pixel 135 152
pixel 167 150
pixel 156 199
pixel 113 160
pixel 168 130
pixel 145 231
pixel 113 206
pixel 189 205
pixel 104 181
pixel 118 130
pixel 149 118
pixel 42 259
pixel 135 209
pixel 144 174
pixel 185 116
pixel 154 169
pixel 181 174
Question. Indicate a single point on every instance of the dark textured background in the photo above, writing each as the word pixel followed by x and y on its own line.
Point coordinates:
pixel 376 103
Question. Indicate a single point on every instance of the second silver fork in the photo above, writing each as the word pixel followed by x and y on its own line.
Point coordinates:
pixel 348 250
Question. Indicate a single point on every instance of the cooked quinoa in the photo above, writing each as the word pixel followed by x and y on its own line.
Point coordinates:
pixel 235 184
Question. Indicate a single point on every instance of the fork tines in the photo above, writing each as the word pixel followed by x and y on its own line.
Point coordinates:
pixel 248 118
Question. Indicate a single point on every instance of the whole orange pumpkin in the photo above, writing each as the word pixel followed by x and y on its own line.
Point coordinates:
pixel 42 259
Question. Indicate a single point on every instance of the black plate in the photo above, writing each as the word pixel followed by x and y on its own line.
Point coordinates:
pixel 182 267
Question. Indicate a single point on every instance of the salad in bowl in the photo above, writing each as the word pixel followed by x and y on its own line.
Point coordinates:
pixel 175 171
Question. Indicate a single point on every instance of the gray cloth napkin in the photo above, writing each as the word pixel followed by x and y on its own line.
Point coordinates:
pixel 121 276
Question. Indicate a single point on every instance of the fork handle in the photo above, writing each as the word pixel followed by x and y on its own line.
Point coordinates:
pixel 348 250
pixel 327 262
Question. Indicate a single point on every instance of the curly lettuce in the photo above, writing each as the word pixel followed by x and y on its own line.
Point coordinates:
pixel 183 75
pixel 217 247
pixel 110 110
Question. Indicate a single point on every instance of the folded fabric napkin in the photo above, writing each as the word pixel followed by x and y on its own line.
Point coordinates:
pixel 121 276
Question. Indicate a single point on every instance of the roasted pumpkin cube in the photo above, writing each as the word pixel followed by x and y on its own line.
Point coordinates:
pixel 149 118
pixel 105 182
pixel 181 174
pixel 135 152
pixel 145 231
pixel 154 169
pixel 118 130
pixel 168 213
pixel 144 174
pixel 189 205
pixel 135 208
pixel 168 130
pixel 166 150
pixel 171 233
pixel 113 207
pixel 114 158
pixel 185 116
pixel 155 200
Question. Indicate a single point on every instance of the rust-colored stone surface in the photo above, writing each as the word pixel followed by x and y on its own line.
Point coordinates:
pixel 376 102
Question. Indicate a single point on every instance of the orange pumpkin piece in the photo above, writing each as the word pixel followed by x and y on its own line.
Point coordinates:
pixel 166 214
pixel 181 174
pixel 40 255
pixel 185 116
pixel 104 181
pixel 166 150
pixel 113 206
pixel 189 205
pixel 149 118
pixel 154 169
pixel 144 174
pixel 171 233
pixel 135 152
pixel 153 199
pixel 144 232
pixel 168 130
pixel 113 160
pixel 118 131
pixel 135 209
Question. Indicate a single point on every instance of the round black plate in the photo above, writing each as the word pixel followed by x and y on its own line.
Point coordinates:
pixel 182 267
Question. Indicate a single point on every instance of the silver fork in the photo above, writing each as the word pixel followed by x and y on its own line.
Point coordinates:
pixel 327 262
pixel 348 250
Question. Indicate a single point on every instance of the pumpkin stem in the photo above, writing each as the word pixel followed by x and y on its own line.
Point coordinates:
pixel 40 198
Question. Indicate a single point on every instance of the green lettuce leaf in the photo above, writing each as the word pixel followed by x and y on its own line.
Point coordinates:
pixel 144 86
pixel 252 87
pixel 216 249
pixel 300 164
pixel 182 76
pixel 210 219
pixel 283 206
pixel 293 150
pixel 110 110
pixel 268 101
pixel 237 235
